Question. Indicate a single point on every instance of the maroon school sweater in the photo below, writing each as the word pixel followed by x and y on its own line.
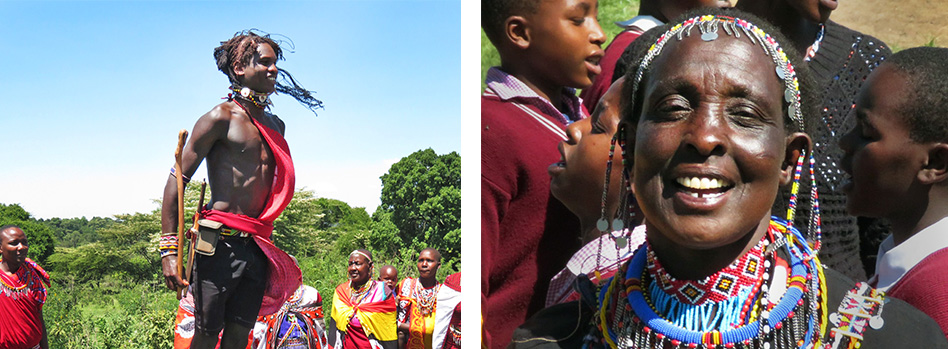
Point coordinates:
pixel 527 236
pixel 925 286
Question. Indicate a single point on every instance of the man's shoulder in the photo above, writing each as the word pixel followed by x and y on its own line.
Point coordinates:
pixel 225 112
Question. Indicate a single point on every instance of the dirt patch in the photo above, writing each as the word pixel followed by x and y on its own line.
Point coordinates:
pixel 900 24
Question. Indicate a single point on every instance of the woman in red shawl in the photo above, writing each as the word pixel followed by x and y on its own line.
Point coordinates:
pixel 22 293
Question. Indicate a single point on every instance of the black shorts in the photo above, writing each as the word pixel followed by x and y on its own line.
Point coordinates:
pixel 228 286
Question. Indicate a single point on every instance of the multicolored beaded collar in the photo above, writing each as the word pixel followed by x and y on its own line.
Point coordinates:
pixel 261 100
pixel 31 278
pixel 709 25
pixel 793 320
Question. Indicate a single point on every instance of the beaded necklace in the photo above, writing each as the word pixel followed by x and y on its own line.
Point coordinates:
pixel 261 100
pixel 32 278
pixel 627 319
pixel 713 302
pixel 361 292
pixel 425 299
pixel 811 51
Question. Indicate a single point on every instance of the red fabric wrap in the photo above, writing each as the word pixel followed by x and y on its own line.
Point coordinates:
pixel 20 310
pixel 284 178
pixel 284 275
pixel 385 306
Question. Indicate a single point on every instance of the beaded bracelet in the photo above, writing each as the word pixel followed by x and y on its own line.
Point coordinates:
pixel 168 245
pixel 184 177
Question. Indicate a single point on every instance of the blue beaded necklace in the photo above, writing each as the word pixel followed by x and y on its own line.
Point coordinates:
pixel 637 324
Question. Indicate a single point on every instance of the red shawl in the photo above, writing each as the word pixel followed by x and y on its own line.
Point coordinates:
pixel 21 303
pixel 285 276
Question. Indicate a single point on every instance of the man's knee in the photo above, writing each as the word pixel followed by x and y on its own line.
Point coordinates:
pixel 235 336
pixel 203 340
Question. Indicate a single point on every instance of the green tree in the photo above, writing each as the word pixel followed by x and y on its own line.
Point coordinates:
pixel 39 235
pixel 421 206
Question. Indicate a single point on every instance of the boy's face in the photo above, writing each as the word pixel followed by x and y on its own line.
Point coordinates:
pixel 578 176
pixel 565 41
pixel 880 158
pixel 710 142
pixel 261 72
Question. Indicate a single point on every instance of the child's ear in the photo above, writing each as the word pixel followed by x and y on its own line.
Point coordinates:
pixel 517 32
pixel 798 143
pixel 936 168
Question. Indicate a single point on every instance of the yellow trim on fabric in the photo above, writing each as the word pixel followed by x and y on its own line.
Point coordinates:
pixel 384 322
pixel 341 313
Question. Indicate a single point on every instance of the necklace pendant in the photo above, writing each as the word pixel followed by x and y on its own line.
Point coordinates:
pixel 622 242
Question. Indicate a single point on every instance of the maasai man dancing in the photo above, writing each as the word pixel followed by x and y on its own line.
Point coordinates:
pixel 363 310
pixel 417 299
pixel 22 293
pixel 241 273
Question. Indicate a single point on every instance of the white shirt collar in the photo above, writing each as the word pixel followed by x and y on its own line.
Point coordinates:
pixel 895 260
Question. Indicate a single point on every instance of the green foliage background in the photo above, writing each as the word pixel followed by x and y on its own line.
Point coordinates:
pixel 106 275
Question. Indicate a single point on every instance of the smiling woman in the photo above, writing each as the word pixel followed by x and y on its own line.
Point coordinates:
pixel 717 116
pixel 23 286
pixel 363 310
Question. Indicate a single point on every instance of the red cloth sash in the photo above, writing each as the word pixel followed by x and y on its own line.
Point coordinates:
pixel 285 276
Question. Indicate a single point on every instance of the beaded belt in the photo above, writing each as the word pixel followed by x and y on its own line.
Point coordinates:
pixel 234 232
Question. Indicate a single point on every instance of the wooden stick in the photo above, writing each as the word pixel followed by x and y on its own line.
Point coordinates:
pixel 194 229
pixel 178 174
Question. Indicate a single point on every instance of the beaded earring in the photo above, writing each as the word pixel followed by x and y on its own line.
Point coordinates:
pixel 602 225
pixel 815 232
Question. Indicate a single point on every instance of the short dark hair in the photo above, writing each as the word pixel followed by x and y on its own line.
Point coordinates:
pixel 240 49
pixel 633 55
pixel 433 250
pixel 495 12
pixel 926 104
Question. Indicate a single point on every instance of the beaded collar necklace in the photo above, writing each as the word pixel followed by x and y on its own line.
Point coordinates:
pixel 261 100
pixel 361 292
pixel 425 299
pixel 31 278
pixel 628 318
pixel 811 51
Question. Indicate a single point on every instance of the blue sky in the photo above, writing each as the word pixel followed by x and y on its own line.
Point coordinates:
pixel 95 93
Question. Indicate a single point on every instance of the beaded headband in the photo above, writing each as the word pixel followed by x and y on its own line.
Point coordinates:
pixel 709 25
pixel 357 252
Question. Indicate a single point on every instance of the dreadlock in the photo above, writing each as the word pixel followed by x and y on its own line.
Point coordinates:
pixel 240 50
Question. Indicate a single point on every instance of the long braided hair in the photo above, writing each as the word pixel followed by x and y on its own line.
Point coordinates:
pixel 240 50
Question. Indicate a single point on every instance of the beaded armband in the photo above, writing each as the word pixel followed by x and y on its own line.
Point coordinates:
pixel 184 178
pixel 168 245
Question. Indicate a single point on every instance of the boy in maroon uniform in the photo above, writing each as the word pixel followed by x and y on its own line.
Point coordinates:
pixel 547 48
pixel 897 161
